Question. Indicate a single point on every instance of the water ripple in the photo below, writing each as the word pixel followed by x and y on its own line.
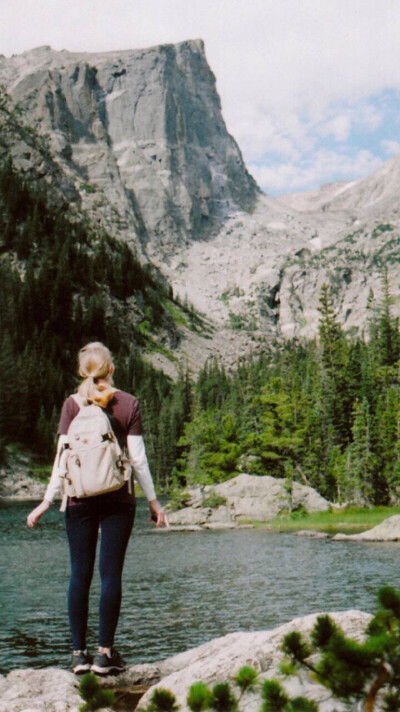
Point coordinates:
pixel 181 588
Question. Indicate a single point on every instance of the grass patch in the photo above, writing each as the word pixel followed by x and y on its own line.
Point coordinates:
pixel 213 501
pixel 41 474
pixel 176 312
pixel 352 520
pixel 153 346
pixel 187 317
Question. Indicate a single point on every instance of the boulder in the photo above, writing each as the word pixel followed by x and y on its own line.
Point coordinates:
pixel 388 530
pixel 220 659
pixel 55 690
pixel 48 690
pixel 15 481
pixel 247 497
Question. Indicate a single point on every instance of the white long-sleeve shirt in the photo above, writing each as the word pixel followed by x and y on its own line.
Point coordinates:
pixel 138 457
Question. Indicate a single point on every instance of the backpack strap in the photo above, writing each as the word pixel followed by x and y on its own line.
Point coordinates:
pixel 79 400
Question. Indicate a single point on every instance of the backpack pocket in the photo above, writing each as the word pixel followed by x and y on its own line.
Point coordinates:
pixel 94 470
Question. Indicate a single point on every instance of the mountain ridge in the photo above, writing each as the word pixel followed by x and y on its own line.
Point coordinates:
pixel 141 136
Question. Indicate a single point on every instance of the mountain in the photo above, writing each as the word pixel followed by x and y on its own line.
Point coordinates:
pixel 144 135
pixel 373 196
pixel 139 140
pixel 366 242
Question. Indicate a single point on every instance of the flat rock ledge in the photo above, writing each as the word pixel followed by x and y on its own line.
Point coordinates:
pixel 244 497
pixel 55 690
pixel 388 530
pixel 15 481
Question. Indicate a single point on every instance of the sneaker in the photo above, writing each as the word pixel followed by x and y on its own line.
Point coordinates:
pixel 104 665
pixel 81 662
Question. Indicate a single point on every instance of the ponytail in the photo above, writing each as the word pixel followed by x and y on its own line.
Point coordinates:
pixel 95 366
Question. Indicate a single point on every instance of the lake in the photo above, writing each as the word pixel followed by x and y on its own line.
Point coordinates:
pixel 181 589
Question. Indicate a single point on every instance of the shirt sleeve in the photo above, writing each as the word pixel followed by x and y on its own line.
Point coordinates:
pixel 135 423
pixel 68 413
pixel 140 465
pixel 54 485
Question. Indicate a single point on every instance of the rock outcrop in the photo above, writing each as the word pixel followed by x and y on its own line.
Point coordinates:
pixel 15 480
pixel 245 497
pixel 144 134
pixel 54 690
pixel 388 530
pixel 218 660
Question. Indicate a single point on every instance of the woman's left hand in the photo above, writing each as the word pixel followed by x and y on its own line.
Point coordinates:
pixel 35 516
pixel 157 514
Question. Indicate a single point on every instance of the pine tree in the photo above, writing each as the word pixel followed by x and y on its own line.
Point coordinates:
pixel 353 671
pixel 388 328
pixel 334 361
pixel 362 463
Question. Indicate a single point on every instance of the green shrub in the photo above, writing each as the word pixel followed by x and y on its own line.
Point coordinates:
pixel 213 501
pixel 199 697
pixel 93 694
pixel 179 498
pixel 161 701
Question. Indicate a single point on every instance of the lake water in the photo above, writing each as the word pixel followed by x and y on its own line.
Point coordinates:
pixel 180 588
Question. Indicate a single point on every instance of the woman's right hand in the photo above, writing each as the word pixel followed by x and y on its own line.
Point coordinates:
pixel 35 516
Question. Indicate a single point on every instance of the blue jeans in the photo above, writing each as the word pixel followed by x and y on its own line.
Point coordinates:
pixel 83 521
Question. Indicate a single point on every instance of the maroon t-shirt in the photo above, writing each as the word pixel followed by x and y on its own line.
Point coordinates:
pixel 125 418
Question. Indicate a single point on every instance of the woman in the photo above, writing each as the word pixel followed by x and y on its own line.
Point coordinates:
pixel 112 512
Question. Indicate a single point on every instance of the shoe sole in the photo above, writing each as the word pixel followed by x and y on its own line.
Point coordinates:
pixel 81 669
pixel 107 670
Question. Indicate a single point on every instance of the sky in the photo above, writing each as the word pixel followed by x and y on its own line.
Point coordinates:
pixel 310 89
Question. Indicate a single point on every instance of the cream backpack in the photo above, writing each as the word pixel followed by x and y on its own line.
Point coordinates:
pixel 92 461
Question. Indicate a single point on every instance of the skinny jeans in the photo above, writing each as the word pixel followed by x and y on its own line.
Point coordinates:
pixel 84 520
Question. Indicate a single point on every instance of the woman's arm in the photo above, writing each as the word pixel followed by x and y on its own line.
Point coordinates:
pixel 53 488
pixel 35 516
pixel 137 454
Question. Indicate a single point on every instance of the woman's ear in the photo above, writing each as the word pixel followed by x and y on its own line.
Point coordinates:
pixel 112 369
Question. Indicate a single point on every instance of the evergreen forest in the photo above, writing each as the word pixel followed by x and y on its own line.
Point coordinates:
pixel 325 412
pixel 61 286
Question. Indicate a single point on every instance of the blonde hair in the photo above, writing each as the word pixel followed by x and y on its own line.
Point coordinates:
pixel 94 365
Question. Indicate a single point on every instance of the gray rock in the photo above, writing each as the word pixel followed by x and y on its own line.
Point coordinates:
pixel 55 690
pixel 312 534
pixel 184 528
pixel 15 481
pixel 221 658
pixel 143 130
pixel 49 690
pixel 248 497
pixel 388 530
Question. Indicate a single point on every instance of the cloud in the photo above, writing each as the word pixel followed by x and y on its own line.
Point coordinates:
pixel 339 127
pixel 295 78
pixel 391 148
pixel 291 177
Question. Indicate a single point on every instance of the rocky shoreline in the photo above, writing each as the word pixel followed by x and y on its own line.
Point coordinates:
pixel 55 690
pixel 245 497
pixel 15 481
pixel 233 504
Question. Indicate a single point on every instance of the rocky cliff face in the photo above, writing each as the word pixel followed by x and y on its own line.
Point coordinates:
pixel 140 140
pixel 144 135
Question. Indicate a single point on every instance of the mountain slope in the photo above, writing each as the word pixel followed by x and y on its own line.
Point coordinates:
pixel 140 139
pixel 143 132
pixel 370 197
